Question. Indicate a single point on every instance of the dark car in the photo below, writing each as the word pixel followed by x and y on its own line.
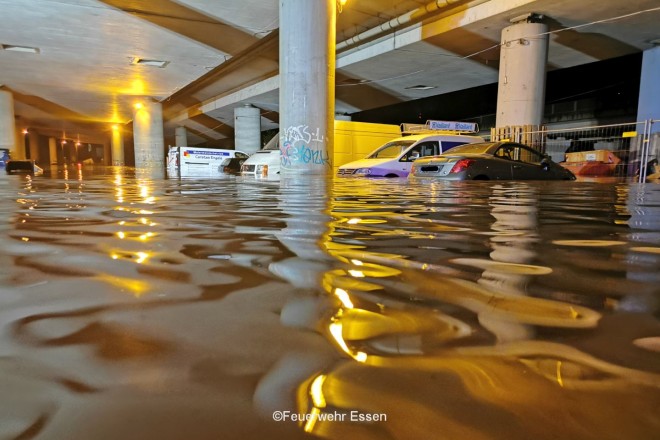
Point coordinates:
pixel 21 167
pixel 490 161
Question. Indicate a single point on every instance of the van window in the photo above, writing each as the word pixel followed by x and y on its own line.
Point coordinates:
pixel 429 148
pixel 446 145
pixel 391 150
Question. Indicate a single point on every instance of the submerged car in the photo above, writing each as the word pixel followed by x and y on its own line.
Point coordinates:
pixel 395 158
pixel 489 161
pixel 23 167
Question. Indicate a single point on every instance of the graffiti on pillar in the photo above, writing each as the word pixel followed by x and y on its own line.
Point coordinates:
pixel 297 147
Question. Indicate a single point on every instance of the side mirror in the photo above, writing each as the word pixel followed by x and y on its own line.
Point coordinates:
pixel 545 163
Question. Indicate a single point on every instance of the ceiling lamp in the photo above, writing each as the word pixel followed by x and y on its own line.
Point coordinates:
pixel 144 62
pixel 13 48
pixel 420 87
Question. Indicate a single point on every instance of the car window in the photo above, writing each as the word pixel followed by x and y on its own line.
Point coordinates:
pixel 428 148
pixel 526 155
pixel 241 155
pixel 505 152
pixel 391 150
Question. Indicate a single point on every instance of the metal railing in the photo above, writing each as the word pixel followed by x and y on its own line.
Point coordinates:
pixel 633 146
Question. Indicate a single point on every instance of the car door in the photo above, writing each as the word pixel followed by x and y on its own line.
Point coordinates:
pixel 422 149
pixel 500 167
pixel 527 164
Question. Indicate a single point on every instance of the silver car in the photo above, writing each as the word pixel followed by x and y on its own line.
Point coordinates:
pixel 489 161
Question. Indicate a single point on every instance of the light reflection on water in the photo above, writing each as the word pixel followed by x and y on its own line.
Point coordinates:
pixel 137 307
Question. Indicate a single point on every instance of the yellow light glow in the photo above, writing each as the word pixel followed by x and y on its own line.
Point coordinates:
pixel 136 287
pixel 342 2
pixel 121 235
pixel 142 257
pixel 138 105
pixel 25 131
pixel 314 415
pixel 122 223
pixel 356 273
pixel 560 381
pixel 316 391
pixel 361 356
pixel 115 127
pixel 114 256
pixel 357 262
pixel 353 221
pixel 344 298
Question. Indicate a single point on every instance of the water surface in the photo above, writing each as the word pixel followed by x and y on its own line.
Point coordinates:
pixel 141 307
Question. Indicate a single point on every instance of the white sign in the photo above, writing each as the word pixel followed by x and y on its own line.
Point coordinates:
pixel 453 125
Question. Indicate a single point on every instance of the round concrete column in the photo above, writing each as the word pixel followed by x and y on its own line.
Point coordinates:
pixel 307 77
pixel 117 146
pixel 247 129
pixel 52 150
pixel 181 137
pixel 148 136
pixel 7 123
pixel 521 89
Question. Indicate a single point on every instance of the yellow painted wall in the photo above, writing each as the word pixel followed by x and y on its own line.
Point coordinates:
pixel 354 140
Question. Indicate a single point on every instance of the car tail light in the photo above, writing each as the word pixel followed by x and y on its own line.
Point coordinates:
pixel 461 165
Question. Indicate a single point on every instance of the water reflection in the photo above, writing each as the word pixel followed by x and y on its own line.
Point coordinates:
pixel 455 310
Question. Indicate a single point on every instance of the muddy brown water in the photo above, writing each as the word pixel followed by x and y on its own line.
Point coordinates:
pixel 140 307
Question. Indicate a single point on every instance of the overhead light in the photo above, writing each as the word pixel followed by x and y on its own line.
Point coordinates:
pixel 25 49
pixel 153 63
pixel 420 87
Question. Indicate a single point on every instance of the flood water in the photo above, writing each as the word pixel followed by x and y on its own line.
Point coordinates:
pixel 138 307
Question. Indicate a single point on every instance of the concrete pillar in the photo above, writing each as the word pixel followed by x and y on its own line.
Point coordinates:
pixel 33 145
pixel 52 150
pixel 117 146
pixel 521 89
pixel 180 137
pixel 148 138
pixel 7 123
pixel 19 148
pixel 648 106
pixel 247 129
pixel 307 77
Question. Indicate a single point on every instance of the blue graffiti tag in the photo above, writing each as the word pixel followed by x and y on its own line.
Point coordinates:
pixel 302 154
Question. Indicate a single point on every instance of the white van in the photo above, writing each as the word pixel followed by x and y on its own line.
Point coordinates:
pixel 351 140
pixel 265 162
pixel 395 158
pixel 199 162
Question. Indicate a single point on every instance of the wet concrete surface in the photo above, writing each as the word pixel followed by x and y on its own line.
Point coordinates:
pixel 139 307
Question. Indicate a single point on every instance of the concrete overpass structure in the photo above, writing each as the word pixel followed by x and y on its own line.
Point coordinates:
pixel 74 68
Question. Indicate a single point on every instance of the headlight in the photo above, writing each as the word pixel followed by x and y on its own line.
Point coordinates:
pixel 363 171
pixel 262 169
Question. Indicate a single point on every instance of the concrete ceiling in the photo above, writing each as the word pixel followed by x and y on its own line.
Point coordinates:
pixel 224 53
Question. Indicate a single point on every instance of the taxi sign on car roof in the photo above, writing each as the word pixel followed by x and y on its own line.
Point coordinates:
pixel 441 127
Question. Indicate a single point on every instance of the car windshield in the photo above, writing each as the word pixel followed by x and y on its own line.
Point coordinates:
pixel 391 150
pixel 479 148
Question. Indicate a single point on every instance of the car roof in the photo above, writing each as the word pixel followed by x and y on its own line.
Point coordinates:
pixel 417 137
